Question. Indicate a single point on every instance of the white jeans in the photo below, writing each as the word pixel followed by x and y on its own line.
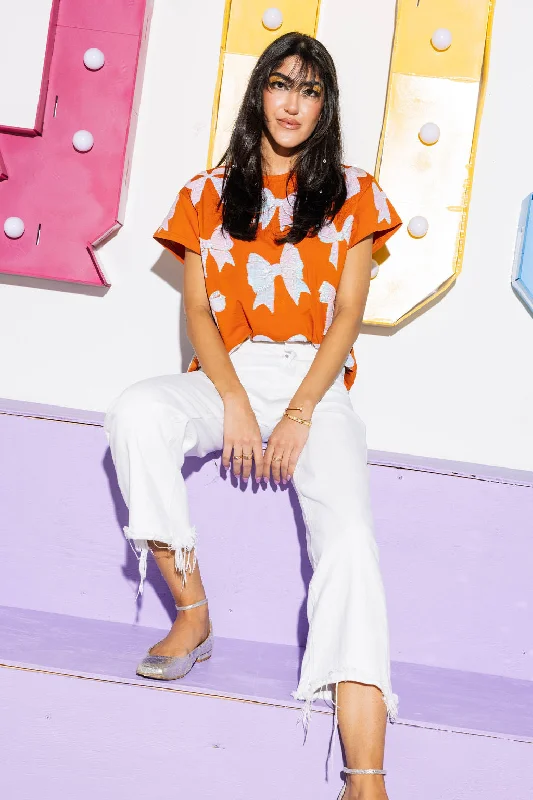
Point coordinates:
pixel 154 423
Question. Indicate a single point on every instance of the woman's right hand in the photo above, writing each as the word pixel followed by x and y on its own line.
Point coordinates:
pixel 241 435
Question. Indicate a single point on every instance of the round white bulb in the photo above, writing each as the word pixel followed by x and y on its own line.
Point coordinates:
pixel 375 269
pixel 441 39
pixel 14 227
pixel 93 58
pixel 418 227
pixel 83 141
pixel 429 133
pixel 272 19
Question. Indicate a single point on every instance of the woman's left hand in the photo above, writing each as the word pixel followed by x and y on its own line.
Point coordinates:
pixel 287 440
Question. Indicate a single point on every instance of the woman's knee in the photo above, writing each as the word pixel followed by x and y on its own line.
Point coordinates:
pixel 135 406
pixel 344 545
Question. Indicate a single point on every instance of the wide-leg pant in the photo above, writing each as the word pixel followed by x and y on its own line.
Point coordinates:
pixel 154 423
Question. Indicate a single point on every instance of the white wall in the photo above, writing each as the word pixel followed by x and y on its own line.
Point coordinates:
pixel 24 35
pixel 453 383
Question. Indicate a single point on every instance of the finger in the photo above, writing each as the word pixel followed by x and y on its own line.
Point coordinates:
pixel 267 461
pixel 285 463
pixel 246 463
pixel 226 454
pixel 276 461
pixel 293 460
pixel 237 459
pixel 258 459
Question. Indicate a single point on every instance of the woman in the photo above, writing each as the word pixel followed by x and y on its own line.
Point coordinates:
pixel 277 249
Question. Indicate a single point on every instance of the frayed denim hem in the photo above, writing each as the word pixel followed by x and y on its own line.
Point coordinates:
pixel 324 691
pixel 184 553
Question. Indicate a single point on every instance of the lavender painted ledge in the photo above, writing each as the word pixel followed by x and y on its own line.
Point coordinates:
pixel 431 697
pixel 378 457
pixel 456 561
pixel 461 546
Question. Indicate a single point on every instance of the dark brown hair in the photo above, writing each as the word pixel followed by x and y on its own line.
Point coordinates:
pixel 318 170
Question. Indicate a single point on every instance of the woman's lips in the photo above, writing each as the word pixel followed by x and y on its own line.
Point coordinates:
pixel 288 123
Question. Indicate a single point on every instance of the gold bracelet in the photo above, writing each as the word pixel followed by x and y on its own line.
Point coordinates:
pixel 294 408
pixel 297 419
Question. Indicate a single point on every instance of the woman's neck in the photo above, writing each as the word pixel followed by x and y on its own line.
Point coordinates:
pixel 275 162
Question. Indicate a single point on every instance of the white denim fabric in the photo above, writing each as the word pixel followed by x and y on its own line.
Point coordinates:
pixel 154 423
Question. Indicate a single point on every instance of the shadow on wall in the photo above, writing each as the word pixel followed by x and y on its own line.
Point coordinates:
pixel 169 269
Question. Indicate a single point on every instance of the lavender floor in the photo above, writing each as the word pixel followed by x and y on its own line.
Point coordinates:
pixel 260 672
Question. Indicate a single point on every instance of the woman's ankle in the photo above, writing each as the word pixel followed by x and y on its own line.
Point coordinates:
pixel 362 786
pixel 183 605
pixel 195 617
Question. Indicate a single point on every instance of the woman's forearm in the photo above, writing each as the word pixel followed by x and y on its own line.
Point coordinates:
pixel 212 354
pixel 329 360
pixel 350 303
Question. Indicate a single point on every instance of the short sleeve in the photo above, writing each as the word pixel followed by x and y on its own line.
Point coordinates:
pixel 374 213
pixel 180 227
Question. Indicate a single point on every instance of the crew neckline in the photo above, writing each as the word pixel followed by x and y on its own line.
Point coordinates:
pixel 271 175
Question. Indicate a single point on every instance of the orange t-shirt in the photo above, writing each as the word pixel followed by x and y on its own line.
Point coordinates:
pixel 270 292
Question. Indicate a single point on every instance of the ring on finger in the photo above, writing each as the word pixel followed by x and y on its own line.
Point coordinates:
pixel 277 458
pixel 247 455
pixel 237 458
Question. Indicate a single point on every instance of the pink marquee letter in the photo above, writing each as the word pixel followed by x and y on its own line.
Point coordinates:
pixel 71 200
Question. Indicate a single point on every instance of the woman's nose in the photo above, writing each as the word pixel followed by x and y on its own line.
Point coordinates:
pixel 292 102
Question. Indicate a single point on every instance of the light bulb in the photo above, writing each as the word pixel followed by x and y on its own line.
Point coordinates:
pixel 83 141
pixel 418 227
pixel 93 58
pixel 14 227
pixel 272 19
pixel 429 133
pixel 441 39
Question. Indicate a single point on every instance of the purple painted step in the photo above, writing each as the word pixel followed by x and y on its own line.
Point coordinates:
pixel 84 739
pixel 231 730
pixel 455 551
pixel 266 673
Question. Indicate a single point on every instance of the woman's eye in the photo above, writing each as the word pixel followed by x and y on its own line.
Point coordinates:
pixel 311 92
pixel 277 85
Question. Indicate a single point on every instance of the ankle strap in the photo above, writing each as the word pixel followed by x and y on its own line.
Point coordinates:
pixel 193 605
pixel 364 771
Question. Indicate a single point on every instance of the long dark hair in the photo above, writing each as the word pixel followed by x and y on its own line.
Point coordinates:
pixel 317 169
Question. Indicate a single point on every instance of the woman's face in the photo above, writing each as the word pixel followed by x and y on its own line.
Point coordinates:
pixel 291 109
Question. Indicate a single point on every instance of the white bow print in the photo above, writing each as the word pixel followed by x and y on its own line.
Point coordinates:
pixel 217 301
pixel 261 337
pixel 380 201
pixel 198 184
pixel 219 246
pixel 327 294
pixel 298 337
pixel 330 235
pixel 352 175
pixel 268 209
pixel 261 276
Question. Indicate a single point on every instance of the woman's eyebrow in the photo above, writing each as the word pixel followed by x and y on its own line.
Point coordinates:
pixel 281 75
pixel 291 80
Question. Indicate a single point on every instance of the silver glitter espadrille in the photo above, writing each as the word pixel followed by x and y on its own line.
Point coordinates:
pixel 168 668
pixel 359 772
